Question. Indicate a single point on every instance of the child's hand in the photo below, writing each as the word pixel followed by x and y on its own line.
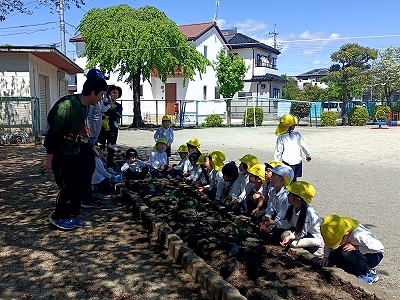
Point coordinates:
pixel 286 241
pixel 265 228
pixel 234 201
pixel 200 188
pixel 160 168
pixel 255 211
pixel 349 247
pixel 308 158
pixel 324 261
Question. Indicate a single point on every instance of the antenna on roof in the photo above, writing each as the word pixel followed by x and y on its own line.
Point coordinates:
pixel 216 12
pixel 274 33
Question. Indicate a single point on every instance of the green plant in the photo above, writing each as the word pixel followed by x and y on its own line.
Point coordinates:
pixel 384 108
pixel 172 198
pixel 248 117
pixel 358 116
pixel 396 108
pixel 328 118
pixel 240 234
pixel 213 120
pixel 198 208
pixel 300 110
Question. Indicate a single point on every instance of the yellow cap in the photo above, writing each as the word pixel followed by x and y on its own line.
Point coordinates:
pixel 200 161
pixel 218 157
pixel 302 189
pixel 250 160
pixel 334 227
pixel 258 170
pixel 273 163
pixel 160 140
pixel 284 123
pixel 183 148
pixel 194 142
pixel 167 118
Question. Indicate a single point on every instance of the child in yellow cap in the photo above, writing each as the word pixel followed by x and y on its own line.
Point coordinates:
pixel 194 146
pixel 351 247
pixel 290 145
pixel 303 220
pixel 230 174
pixel 184 166
pixel 158 163
pixel 237 193
pixel 211 181
pixel 165 131
pixel 196 170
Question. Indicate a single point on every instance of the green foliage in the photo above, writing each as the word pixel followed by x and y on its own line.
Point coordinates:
pixel 300 110
pixel 171 198
pixel 290 90
pixel 198 208
pixel 348 71
pixel 312 92
pixel 135 43
pixel 213 120
pixel 377 115
pixel 328 118
pixel 250 116
pixel 230 70
pixel 358 116
pixel 395 108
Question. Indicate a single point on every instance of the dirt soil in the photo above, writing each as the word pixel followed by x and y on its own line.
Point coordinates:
pixel 113 257
pixel 258 269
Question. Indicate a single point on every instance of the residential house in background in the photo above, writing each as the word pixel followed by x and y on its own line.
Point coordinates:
pixel 35 71
pixel 312 78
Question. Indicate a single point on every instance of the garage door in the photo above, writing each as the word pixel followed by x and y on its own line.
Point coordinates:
pixel 43 102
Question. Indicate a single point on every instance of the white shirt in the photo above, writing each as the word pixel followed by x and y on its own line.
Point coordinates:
pixel 289 148
pixel 167 134
pixel 238 191
pixel 195 173
pixel 100 172
pixel 184 165
pixel 139 165
pixel 157 159
pixel 311 225
pixel 277 204
pixel 364 239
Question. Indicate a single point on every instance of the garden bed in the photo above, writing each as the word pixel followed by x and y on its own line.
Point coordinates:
pixel 256 267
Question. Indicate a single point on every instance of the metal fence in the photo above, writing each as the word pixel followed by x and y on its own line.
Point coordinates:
pixel 20 116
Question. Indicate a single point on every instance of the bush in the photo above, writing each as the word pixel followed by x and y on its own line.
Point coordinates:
pixel 358 116
pixel 328 118
pixel 300 110
pixel 377 108
pixel 250 116
pixel 213 120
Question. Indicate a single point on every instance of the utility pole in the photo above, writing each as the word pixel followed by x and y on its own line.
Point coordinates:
pixel 274 33
pixel 60 10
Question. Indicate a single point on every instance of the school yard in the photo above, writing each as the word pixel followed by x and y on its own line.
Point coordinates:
pixel 355 171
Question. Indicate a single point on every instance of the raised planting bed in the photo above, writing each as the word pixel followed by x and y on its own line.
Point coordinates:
pixel 256 267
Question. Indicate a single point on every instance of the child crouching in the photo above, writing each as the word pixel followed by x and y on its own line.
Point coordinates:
pixel 158 161
pixel 134 168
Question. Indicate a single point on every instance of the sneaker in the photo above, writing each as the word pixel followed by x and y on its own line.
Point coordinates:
pixel 370 277
pixel 111 171
pixel 77 223
pixel 320 250
pixel 93 204
pixel 62 224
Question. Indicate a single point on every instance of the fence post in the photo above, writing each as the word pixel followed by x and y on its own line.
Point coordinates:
pixel 197 113
pixel 157 112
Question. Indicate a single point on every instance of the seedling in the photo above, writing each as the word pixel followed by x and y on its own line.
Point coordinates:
pixel 198 208
pixel 172 198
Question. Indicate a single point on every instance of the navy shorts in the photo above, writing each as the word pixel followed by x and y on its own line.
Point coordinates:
pixel 168 151
pixel 297 169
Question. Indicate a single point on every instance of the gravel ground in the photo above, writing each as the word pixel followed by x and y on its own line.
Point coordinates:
pixel 354 170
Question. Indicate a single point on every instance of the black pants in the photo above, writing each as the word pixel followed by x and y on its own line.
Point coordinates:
pixel 108 138
pixel 71 176
pixel 160 174
pixel 105 187
pixel 129 175
pixel 176 174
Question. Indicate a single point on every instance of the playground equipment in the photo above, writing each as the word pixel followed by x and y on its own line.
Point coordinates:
pixel 382 118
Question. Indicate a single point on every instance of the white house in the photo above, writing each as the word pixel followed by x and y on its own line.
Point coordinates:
pixel 200 95
pixel 35 72
pixel 312 78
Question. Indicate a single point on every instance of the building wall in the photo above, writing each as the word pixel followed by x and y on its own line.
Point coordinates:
pixel 247 54
pixel 14 75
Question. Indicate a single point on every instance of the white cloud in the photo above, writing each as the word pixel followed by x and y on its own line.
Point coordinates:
pixel 221 23
pixel 250 26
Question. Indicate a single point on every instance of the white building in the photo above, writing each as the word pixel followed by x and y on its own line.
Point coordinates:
pixel 312 78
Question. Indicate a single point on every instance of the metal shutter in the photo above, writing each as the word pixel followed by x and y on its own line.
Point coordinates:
pixel 43 102
pixel 63 88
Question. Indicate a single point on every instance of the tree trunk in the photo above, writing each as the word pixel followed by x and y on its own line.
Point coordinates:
pixel 137 113
pixel 228 112
pixel 344 105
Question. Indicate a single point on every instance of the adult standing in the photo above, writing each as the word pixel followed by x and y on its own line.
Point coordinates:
pixel 112 114
pixel 68 130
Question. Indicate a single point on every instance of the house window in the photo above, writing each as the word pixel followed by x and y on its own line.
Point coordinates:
pixel 244 94
pixel 217 95
pixel 263 61
pixel 205 51
pixel 273 62
pixel 396 98
pixel 205 92
pixel 276 93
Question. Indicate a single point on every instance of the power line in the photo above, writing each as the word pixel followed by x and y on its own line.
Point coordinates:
pixel 23 26
pixel 26 32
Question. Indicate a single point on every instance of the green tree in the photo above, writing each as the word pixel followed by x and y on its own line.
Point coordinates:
pixel 9 6
pixel 230 69
pixel 136 42
pixel 290 89
pixel 349 70
pixel 386 72
pixel 312 93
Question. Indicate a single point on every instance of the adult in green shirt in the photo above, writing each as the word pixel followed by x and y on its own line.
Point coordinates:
pixel 68 128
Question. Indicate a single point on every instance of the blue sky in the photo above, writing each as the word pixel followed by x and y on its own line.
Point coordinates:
pixel 308 31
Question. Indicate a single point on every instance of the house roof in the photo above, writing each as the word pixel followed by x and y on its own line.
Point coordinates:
pixel 240 41
pixel 315 72
pixel 267 77
pixel 48 54
pixel 191 31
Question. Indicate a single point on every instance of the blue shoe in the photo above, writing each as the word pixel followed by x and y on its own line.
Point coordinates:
pixel 77 223
pixel 64 224
pixel 370 277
